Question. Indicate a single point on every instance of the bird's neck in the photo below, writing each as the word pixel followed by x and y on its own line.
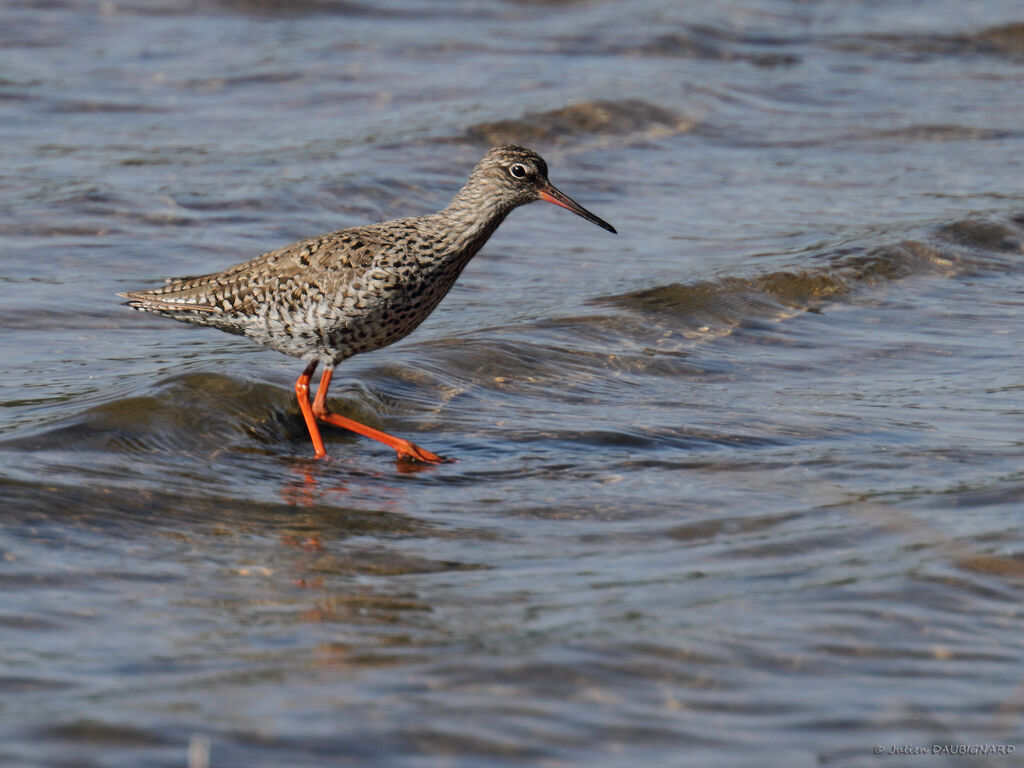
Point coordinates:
pixel 470 219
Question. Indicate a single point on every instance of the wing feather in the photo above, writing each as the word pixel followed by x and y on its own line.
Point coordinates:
pixel 286 276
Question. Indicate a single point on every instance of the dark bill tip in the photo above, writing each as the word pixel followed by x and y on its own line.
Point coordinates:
pixel 552 195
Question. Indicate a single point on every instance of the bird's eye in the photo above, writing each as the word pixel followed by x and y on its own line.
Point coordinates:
pixel 518 170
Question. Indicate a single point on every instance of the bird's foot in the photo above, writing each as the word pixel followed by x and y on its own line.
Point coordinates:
pixel 409 450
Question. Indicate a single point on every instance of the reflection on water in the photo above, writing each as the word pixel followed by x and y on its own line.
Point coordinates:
pixel 739 486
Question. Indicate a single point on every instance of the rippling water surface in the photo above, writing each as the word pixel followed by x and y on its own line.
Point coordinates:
pixel 740 486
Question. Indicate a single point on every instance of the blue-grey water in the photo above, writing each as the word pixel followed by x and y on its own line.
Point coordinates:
pixel 743 485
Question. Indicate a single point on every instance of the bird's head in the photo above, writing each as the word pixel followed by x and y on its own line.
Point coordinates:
pixel 518 175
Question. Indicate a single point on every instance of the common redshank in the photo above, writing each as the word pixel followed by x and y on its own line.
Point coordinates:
pixel 330 297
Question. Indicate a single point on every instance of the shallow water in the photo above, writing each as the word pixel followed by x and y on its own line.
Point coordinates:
pixel 742 485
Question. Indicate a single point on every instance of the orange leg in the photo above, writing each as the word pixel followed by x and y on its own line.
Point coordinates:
pixel 318 410
pixel 302 393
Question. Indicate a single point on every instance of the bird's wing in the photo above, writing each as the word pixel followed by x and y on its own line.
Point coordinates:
pixel 291 275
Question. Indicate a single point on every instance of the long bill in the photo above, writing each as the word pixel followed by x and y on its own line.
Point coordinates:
pixel 552 195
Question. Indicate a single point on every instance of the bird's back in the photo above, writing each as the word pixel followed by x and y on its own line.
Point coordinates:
pixel 326 297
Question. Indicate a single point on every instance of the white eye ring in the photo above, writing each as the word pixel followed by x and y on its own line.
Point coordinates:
pixel 517 170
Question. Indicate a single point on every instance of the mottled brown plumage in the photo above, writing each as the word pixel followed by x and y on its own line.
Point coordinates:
pixel 330 297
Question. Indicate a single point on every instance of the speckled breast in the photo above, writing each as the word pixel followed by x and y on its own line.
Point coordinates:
pixel 381 307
